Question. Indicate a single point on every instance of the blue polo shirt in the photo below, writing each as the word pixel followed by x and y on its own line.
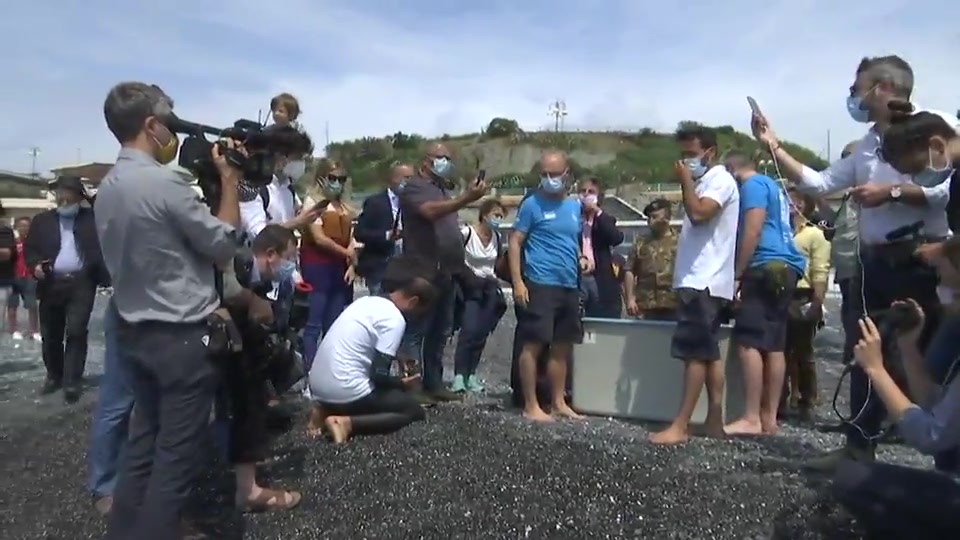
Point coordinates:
pixel 776 236
pixel 550 251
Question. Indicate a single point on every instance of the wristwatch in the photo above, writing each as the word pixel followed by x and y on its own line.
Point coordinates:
pixel 895 193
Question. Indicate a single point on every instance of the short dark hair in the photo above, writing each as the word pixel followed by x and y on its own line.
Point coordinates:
pixel 290 141
pixel 739 159
pixel 706 136
pixel 411 275
pixel 910 131
pixel 273 237
pixel 129 104
pixel 891 69
pixel 656 205
pixel 289 103
pixel 489 205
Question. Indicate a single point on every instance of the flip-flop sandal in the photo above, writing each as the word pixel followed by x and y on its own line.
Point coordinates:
pixel 271 500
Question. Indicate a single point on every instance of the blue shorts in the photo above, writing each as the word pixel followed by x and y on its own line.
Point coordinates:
pixel 22 289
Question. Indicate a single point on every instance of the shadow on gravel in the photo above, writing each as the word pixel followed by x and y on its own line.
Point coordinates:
pixel 18 366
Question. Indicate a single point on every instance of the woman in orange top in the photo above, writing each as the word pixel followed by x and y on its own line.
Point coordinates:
pixel 327 255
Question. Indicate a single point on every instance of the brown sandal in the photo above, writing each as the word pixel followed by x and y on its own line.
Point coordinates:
pixel 271 500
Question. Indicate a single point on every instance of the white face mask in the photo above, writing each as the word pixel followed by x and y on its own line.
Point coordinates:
pixel 295 169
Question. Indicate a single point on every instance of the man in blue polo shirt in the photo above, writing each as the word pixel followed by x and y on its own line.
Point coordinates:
pixel 546 282
pixel 768 266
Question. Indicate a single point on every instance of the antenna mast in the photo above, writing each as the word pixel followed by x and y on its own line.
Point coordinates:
pixel 558 110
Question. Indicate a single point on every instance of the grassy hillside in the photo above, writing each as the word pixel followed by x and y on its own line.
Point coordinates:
pixel 509 154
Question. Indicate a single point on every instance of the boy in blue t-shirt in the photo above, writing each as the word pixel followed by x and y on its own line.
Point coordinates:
pixel 546 282
pixel 768 266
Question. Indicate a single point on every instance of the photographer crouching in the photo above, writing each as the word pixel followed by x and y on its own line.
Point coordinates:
pixel 893 500
pixel 261 309
pixel 160 244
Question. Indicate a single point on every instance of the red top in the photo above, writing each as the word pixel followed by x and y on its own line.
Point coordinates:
pixel 21 268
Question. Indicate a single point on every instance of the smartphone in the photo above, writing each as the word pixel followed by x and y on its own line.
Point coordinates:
pixel 754 107
pixel 481 176
pixel 321 206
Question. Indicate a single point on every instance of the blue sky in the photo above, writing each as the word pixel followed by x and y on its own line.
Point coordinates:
pixel 373 67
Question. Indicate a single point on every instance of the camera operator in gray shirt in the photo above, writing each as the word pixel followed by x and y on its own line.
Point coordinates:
pixel 161 245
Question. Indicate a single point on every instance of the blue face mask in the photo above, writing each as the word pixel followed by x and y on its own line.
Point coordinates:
pixel 333 187
pixel 70 210
pixel 493 222
pixel 856 110
pixel 933 176
pixel 284 271
pixel 552 184
pixel 696 166
pixel 442 167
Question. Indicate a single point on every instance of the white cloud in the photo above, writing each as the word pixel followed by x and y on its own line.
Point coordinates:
pixel 372 68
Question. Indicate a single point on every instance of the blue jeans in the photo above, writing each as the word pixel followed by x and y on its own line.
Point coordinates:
pixel 482 311
pixel 330 295
pixel 111 417
pixel 885 282
pixel 426 337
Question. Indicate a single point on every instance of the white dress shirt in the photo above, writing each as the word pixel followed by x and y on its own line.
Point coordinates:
pixel 863 166
pixel 282 208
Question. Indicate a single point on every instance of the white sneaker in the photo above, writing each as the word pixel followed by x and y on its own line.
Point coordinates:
pixel 36 337
pixel 17 336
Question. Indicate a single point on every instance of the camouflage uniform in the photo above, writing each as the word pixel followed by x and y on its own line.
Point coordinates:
pixel 651 263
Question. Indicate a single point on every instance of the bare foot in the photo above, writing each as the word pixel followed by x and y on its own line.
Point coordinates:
pixel 338 427
pixel 713 427
pixel 743 427
pixel 565 411
pixel 671 435
pixel 537 415
pixel 769 426
pixel 315 422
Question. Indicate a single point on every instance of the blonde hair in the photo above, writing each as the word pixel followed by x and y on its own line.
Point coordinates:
pixel 323 169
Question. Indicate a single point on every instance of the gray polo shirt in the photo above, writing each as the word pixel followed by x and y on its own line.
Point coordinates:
pixel 438 240
pixel 159 242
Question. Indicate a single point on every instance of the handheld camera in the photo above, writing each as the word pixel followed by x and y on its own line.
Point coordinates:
pixel 262 145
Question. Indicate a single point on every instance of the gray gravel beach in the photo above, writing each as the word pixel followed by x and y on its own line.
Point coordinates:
pixel 472 471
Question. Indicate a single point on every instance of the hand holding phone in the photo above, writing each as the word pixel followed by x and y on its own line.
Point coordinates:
pixel 755 108
pixel 481 176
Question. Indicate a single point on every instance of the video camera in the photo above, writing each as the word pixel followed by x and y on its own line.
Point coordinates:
pixel 262 144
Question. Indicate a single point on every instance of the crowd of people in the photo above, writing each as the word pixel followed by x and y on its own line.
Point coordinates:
pixel 188 279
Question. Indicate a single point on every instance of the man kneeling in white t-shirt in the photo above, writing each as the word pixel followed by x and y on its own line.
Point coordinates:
pixel 350 377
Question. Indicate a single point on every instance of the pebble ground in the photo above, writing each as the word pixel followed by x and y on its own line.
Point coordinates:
pixel 472 471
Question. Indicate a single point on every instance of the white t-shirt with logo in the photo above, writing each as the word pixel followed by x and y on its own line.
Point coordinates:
pixel 706 252
pixel 342 367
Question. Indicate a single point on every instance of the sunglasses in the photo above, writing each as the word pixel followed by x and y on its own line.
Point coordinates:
pixel 333 178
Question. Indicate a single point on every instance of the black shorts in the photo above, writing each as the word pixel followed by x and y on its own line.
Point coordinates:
pixel 551 316
pixel 761 318
pixel 697 336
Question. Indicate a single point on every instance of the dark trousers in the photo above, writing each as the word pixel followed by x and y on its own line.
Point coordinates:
pixel 482 311
pixel 943 361
pixel 246 399
pixel 885 281
pixel 382 411
pixel 328 297
pixel 65 306
pixel 893 502
pixel 174 385
pixel 427 336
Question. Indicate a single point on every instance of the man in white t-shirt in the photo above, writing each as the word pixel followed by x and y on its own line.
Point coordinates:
pixel 703 276
pixel 350 377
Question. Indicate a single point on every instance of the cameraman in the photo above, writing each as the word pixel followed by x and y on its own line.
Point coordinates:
pixel 160 245
pixel 896 501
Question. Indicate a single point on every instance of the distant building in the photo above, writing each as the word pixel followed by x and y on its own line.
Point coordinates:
pixel 23 194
